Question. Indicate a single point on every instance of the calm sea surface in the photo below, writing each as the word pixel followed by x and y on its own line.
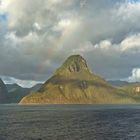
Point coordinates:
pixel 70 122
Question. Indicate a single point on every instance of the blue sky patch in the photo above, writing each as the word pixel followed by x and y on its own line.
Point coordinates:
pixel 3 17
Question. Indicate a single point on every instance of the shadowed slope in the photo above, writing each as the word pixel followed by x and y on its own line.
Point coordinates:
pixel 3 93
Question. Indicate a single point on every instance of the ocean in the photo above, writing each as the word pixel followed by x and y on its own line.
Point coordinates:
pixel 70 122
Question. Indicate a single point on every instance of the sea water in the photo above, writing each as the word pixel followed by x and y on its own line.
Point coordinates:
pixel 70 122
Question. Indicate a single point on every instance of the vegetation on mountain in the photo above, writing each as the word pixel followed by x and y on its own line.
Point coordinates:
pixel 74 83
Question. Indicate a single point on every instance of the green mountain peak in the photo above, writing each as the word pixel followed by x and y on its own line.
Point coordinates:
pixel 73 64
pixel 73 83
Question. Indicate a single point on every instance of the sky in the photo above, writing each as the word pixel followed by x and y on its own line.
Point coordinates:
pixel 36 36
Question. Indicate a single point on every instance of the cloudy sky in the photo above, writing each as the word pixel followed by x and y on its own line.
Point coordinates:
pixel 36 36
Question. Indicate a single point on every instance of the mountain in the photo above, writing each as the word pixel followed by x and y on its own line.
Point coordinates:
pixel 74 83
pixel 132 89
pixel 35 88
pixel 12 87
pixel 16 92
pixel 127 87
pixel 118 83
pixel 3 93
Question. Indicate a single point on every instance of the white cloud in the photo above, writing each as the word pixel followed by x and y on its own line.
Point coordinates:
pixel 135 77
pixel 131 43
pixel 105 44
pixel 23 83
pixel 31 37
pixel 84 48
pixel 129 10
pixel 37 26
pixel 27 13
pixel 66 26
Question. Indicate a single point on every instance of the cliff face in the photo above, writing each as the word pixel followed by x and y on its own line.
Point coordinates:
pixel 3 93
pixel 74 83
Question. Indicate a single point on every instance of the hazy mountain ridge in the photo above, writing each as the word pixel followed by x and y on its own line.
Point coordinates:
pixel 128 87
pixel 3 92
pixel 13 93
pixel 118 83
pixel 73 83
pixel 16 92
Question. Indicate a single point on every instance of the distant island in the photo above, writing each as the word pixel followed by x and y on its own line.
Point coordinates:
pixel 74 83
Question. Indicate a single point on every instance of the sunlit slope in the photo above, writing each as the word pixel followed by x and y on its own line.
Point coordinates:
pixel 74 83
pixel 132 89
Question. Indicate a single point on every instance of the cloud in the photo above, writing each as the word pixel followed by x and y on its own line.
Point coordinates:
pixel 23 83
pixel 37 36
pixel 37 26
pixel 130 9
pixel 131 43
pixel 83 3
pixel 135 77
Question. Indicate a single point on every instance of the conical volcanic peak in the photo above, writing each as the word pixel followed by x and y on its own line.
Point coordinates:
pixel 74 64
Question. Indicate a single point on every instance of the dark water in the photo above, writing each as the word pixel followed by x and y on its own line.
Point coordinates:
pixel 70 122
